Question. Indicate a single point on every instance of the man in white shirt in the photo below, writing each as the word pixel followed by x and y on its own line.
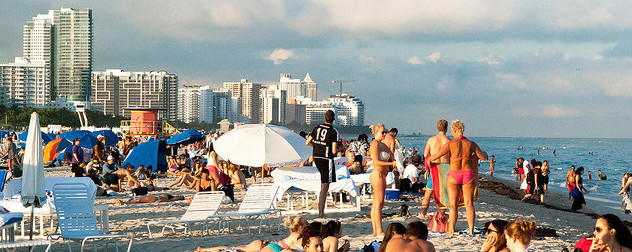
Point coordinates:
pixel 411 171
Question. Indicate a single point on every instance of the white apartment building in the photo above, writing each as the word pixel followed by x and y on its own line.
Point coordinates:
pixel 248 92
pixel 189 104
pixel 349 110
pixel 154 89
pixel 297 87
pixel 206 110
pixel 25 83
pixel 273 104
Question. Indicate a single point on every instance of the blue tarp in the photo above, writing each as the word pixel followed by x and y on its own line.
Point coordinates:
pixel 45 137
pixel 148 153
pixel 187 137
pixel 111 139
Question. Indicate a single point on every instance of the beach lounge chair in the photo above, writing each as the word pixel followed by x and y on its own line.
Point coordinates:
pixel 75 216
pixel 258 202
pixel 12 246
pixel 202 205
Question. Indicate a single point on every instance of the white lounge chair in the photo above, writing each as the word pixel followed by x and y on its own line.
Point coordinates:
pixel 258 202
pixel 203 205
pixel 76 218
pixel 6 246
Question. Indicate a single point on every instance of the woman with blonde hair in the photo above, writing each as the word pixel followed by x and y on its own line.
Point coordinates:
pixel 296 226
pixel 518 235
pixel 463 158
pixel 383 161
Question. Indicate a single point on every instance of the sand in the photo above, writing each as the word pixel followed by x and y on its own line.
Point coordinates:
pixel 131 219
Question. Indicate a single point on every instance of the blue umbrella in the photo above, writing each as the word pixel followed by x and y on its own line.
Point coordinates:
pixel 3 133
pixel 71 135
pixel 148 153
pixel 22 136
pixel 111 139
pixel 187 137
pixel 87 141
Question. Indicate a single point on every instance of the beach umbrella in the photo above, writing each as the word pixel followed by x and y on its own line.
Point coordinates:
pixel 54 148
pixel 111 139
pixel 148 153
pixel 258 144
pixel 3 133
pixel 22 136
pixel 33 188
pixel 87 141
pixel 71 135
pixel 186 137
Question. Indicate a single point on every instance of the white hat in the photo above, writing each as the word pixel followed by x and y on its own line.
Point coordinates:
pixel 110 157
pixel 100 136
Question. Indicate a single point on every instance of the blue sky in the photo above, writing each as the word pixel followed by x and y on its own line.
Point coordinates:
pixel 507 68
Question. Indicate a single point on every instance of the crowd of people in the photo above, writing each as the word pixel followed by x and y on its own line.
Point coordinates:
pixel 533 176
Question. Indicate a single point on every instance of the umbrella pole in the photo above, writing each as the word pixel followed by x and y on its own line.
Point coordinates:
pixel 32 220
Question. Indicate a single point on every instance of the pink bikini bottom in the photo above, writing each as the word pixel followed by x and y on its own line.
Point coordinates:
pixel 462 177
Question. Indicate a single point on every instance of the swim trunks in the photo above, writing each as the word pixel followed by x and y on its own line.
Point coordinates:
pixel 326 168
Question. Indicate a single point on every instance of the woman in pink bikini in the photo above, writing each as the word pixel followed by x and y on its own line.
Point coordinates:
pixel 463 156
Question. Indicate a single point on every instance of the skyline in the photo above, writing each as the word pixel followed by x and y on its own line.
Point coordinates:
pixel 528 69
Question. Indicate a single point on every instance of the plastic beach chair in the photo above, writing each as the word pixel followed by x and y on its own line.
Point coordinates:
pixel 202 205
pixel 76 218
pixel 258 203
pixel 12 246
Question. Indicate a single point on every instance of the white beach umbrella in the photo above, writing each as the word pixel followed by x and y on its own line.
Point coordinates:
pixel 33 188
pixel 258 144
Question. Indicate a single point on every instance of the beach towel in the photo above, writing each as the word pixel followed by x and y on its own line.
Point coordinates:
pixel 438 222
pixel 439 174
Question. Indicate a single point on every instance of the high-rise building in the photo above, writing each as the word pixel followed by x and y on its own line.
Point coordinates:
pixel 189 104
pixel 206 111
pixel 273 104
pixel 295 114
pixel 248 92
pixel 155 89
pixel 222 105
pixel 349 110
pixel 311 88
pixel 63 40
pixel 24 83
pixel 104 92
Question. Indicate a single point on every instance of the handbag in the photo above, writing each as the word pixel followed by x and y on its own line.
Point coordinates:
pixel 575 192
pixel 438 222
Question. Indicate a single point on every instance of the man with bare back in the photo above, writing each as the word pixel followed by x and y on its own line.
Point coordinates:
pixel 433 146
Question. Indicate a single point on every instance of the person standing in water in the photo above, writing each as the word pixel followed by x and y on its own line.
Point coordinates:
pixel 433 146
pixel 492 164
pixel 324 139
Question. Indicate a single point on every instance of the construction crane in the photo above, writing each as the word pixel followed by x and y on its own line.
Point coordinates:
pixel 340 82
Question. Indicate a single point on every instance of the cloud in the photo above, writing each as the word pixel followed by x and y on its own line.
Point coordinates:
pixel 434 57
pixel 545 111
pixel 279 55
pixel 415 61
pixel 491 59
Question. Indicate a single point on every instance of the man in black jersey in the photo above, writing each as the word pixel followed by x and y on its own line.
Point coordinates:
pixel 324 139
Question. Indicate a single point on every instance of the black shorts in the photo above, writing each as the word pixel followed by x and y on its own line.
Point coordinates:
pixel 110 179
pixel 326 168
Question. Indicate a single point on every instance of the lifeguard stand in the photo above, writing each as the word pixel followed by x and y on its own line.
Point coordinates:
pixel 144 122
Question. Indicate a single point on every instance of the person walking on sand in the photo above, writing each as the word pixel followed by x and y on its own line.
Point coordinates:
pixel 383 162
pixel 570 180
pixel 433 145
pixel 324 140
pixel 463 155
pixel 492 164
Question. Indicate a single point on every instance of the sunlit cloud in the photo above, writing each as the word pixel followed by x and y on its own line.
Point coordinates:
pixel 280 55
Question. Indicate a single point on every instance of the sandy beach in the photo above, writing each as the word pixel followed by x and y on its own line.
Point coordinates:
pixel 131 219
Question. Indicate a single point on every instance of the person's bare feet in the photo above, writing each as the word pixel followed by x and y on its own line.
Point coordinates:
pixel 118 201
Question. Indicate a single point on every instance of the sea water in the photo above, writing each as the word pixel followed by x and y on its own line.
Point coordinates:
pixel 611 156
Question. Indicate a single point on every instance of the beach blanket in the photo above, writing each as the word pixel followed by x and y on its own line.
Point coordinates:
pixel 439 174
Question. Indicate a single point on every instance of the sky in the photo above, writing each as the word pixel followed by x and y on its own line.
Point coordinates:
pixel 506 68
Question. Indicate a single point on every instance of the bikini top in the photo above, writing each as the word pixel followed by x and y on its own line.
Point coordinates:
pixel 462 137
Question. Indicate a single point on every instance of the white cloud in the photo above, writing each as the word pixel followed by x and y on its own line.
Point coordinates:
pixel 434 57
pixel 491 59
pixel 366 59
pixel 279 55
pixel 545 111
pixel 415 61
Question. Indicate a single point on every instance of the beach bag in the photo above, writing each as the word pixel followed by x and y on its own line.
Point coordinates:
pixel 438 222
pixel 575 192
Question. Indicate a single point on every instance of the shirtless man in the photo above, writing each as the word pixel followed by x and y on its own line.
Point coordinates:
pixel 415 241
pixel 570 180
pixel 432 146
pixel 112 180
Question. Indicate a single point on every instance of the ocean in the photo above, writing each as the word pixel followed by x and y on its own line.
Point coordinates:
pixel 612 156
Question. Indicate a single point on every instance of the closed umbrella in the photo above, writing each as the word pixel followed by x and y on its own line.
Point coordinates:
pixel 33 188
pixel 258 144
